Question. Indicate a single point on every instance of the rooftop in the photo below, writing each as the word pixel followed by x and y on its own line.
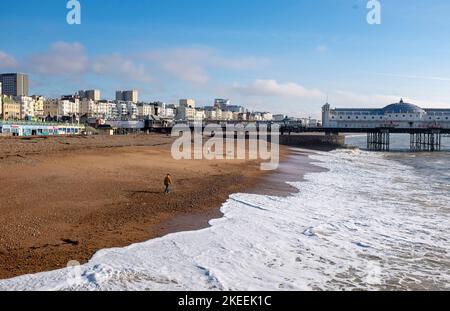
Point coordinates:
pixel 402 107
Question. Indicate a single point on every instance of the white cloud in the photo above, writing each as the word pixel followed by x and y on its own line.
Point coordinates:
pixel 71 59
pixel 7 61
pixel 242 63
pixel 182 64
pixel 356 100
pixel 61 59
pixel 194 64
pixel 274 88
pixel 118 66
pixel 403 76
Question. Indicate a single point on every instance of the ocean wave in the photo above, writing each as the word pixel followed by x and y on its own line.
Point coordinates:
pixel 369 223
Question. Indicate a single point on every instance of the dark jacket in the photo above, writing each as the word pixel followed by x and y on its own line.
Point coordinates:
pixel 168 181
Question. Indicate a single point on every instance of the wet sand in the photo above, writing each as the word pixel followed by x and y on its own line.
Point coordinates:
pixel 63 199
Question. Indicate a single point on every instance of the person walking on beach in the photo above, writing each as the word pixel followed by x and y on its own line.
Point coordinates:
pixel 168 181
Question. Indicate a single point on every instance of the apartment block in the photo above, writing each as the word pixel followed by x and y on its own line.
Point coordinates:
pixel 14 84
pixel 187 103
pixel 127 96
pixel 90 94
pixel 10 109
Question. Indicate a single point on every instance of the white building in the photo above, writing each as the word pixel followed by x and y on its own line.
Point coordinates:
pixel 169 113
pixel 199 114
pixel 145 110
pixel 107 109
pixel 122 109
pixel 266 116
pixel 210 114
pixel 164 111
pixel 89 107
pixel 255 116
pixel 39 106
pixel 26 106
pixel 132 110
pixel 67 108
pixel 227 115
pixel 398 115
pixel 185 113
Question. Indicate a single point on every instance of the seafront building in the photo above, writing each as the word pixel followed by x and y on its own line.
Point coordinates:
pixel 187 103
pixel 68 107
pixel 90 94
pixel 27 105
pixel 38 103
pixel 222 103
pixel 397 115
pixel 86 106
pixel 164 110
pixel 14 84
pixel 127 96
pixel 89 107
pixel 24 129
pixel 10 109
pixel 186 110
pixel 145 110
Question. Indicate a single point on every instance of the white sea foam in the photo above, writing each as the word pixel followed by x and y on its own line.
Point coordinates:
pixel 368 223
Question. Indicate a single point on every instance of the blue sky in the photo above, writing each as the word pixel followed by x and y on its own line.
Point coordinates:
pixel 285 56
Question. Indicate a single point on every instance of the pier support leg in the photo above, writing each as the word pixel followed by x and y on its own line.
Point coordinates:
pixel 378 141
pixel 426 141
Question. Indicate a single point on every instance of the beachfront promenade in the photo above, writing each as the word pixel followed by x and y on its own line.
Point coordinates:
pixel 422 138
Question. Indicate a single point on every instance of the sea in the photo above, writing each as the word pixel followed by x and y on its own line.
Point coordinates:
pixel 368 221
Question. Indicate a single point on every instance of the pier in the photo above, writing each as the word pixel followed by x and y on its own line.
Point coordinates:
pixel 425 127
pixel 379 139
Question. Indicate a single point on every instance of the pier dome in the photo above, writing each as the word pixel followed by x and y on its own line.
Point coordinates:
pixel 403 107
